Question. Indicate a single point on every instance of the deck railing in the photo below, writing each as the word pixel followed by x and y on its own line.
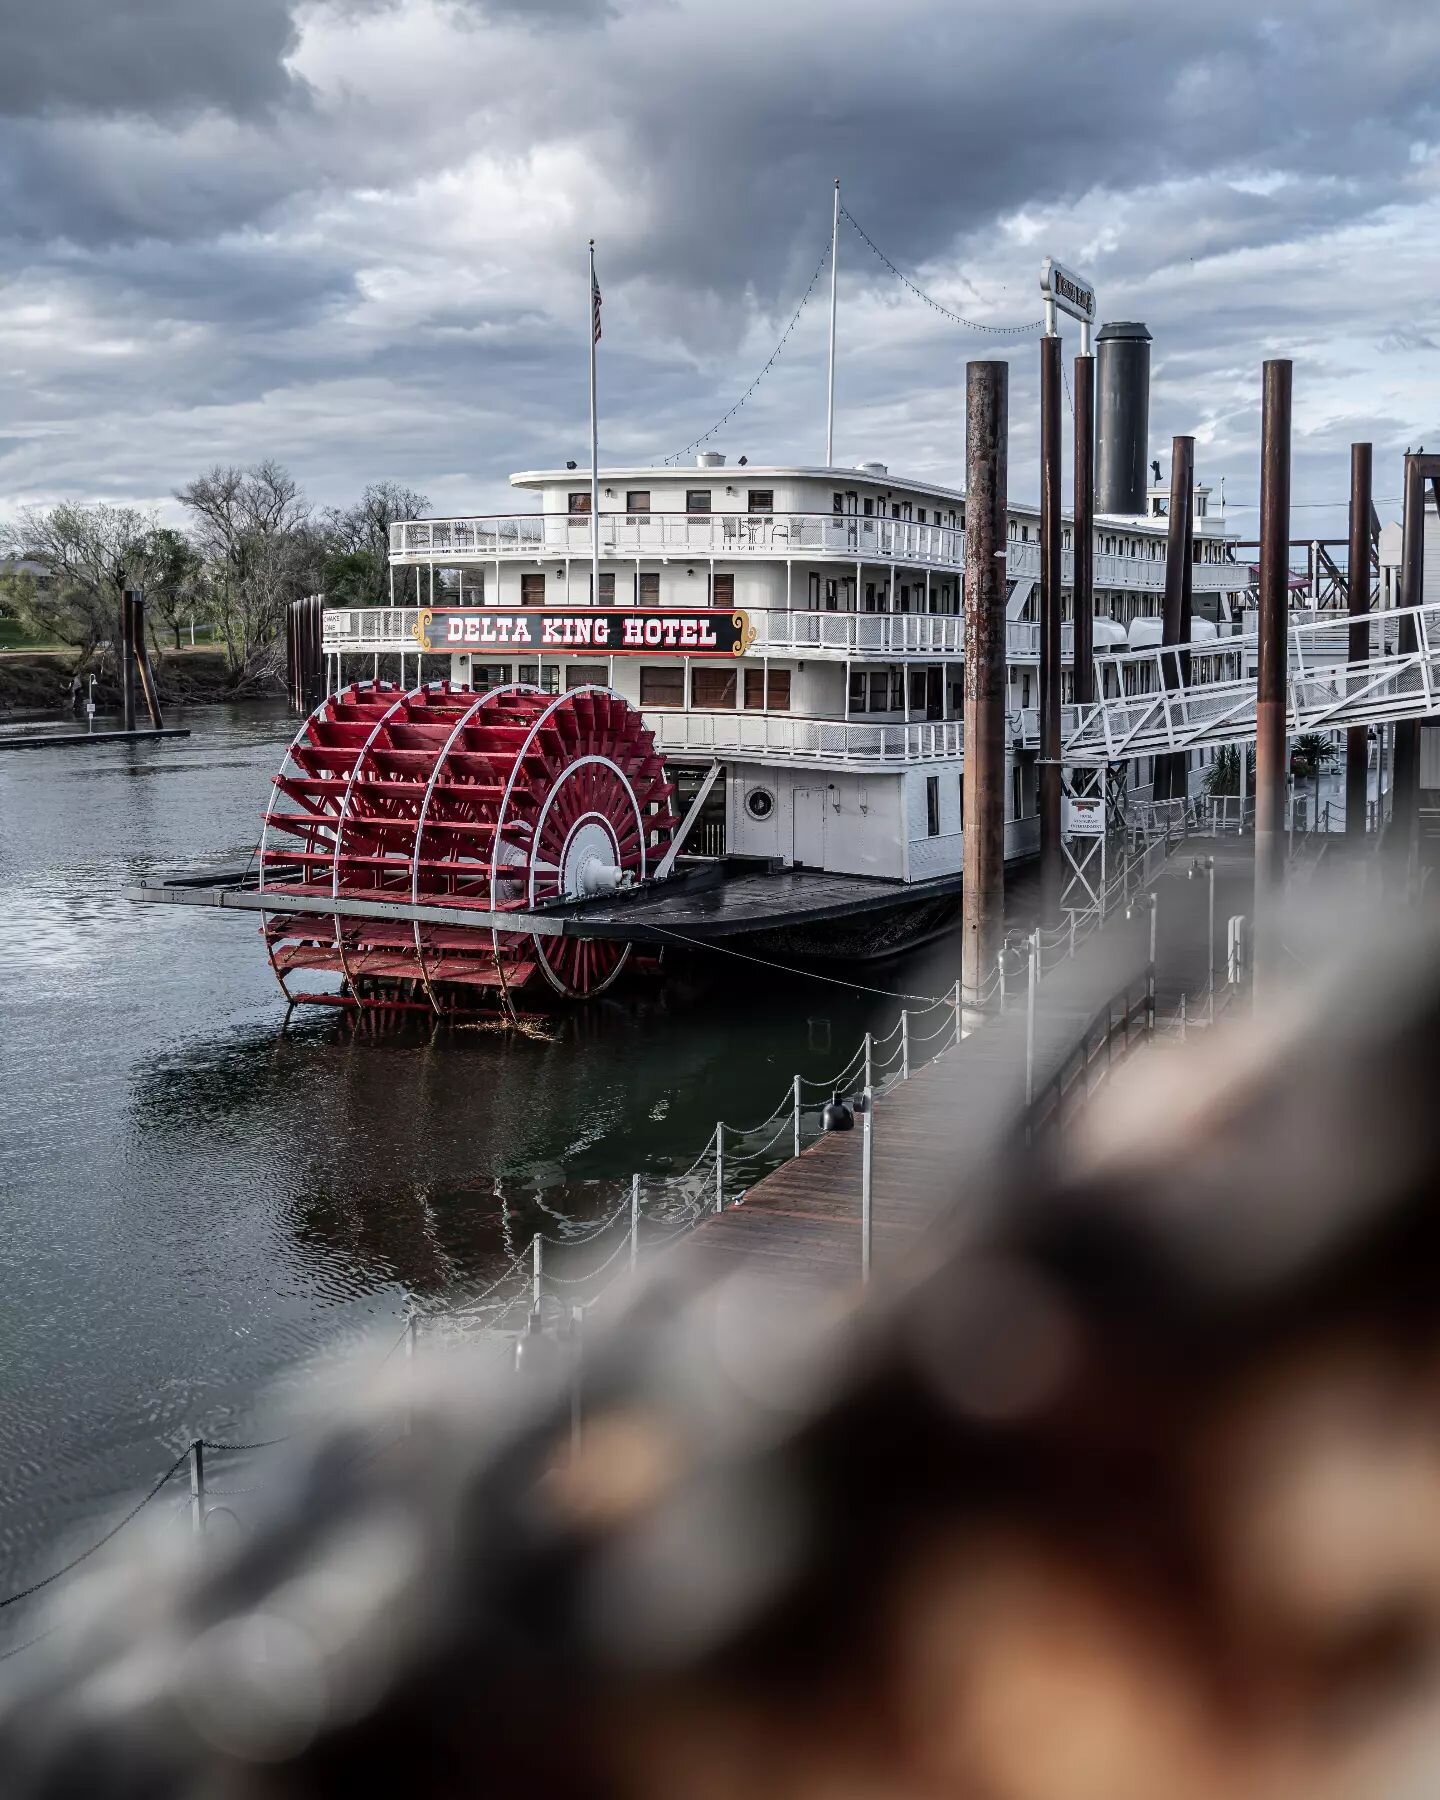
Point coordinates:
pixel 805 739
pixel 827 537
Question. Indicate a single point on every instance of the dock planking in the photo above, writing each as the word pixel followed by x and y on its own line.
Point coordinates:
pixel 799 1229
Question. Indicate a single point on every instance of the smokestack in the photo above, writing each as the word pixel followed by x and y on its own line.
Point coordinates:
pixel 1123 418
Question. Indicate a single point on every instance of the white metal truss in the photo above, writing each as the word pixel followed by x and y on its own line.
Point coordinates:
pixel 1139 716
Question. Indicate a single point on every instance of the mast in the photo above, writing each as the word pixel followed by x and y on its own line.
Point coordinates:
pixel 830 401
pixel 594 438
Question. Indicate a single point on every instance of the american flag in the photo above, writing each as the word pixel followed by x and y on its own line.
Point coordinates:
pixel 594 305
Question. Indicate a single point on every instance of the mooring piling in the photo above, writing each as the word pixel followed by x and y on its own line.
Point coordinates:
pixel 1357 581
pixel 1051 854
pixel 1271 700
pixel 1083 582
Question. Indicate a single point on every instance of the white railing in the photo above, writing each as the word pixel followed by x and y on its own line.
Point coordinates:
pixel 841 537
pixel 1394 683
pixel 806 739
pixel 862 633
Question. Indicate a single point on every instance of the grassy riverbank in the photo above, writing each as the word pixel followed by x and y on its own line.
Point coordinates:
pixel 35 683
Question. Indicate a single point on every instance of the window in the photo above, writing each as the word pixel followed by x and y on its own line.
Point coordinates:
pixel 607 589
pixel 647 589
pixel 869 596
pixel 957 696
pixel 637 500
pixel 917 694
pixel 879 691
pixel 1016 794
pixel 660 686
pixel 546 677
pixel 577 675
pixel 857 690
pixel 532 590
pixel 897 690
pixel 579 503
pixel 712 687
pixel 722 590
pixel 776 697
pixel 932 806
pixel 837 503
pixel 919 515
pixel 697 500
pixel 869 508
pixel 814 591
pixel 762 500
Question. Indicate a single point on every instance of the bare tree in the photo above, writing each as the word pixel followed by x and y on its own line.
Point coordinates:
pixel 252 527
pixel 92 554
pixel 358 543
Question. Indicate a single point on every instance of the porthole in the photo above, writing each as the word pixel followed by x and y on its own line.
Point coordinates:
pixel 760 803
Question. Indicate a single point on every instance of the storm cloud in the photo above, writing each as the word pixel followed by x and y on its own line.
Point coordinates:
pixel 352 235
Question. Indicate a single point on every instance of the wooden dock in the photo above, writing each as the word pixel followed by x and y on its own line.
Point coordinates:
pixel 934 1135
pixel 72 740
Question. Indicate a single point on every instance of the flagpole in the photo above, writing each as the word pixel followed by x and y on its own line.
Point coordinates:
pixel 830 403
pixel 594 450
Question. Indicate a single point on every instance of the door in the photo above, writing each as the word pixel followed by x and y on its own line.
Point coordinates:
pixel 809 828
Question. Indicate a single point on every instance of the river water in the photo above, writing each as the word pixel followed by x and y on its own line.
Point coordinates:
pixel 197 1204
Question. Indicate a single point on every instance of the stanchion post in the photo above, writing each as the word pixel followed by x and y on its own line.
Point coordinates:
pixel 1150 967
pixel 719 1165
pixel 1031 985
pixel 869 1049
pixel 905 1044
pixel 197 1488
pixel 956 1004
pixel 1000 967
pixel 1210 939
pixel 797 1115
pixel 1182 1018
pixel 537 1258
pixel 1051 851
pixel 867 1178
pixel 634 1220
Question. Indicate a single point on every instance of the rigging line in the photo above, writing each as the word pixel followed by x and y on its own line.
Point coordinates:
pixel 944 311
pixel 770 364
pixel 100 1544
pixel 857 987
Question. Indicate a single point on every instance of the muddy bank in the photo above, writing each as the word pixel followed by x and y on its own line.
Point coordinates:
pixel 37 685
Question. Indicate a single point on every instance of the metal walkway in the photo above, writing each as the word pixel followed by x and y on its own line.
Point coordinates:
pixel 1139 716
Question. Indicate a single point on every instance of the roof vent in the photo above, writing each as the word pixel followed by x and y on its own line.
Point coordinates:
pixel 872 468
pixel 710 459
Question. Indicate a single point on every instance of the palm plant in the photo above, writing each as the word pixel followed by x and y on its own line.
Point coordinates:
pixel 1310 755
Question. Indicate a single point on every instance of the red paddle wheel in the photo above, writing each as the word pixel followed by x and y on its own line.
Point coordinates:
pixel 496 802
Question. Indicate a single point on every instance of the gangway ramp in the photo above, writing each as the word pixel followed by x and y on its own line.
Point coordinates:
pixel 1208 703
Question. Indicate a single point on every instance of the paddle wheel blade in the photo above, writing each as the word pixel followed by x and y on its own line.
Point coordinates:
pixel 504 801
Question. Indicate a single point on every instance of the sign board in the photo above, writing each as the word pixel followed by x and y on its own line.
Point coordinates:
pixel 586 630
pixel 1070 292
pixel 1085 818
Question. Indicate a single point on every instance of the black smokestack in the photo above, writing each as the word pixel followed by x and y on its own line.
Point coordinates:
pixel 1123 420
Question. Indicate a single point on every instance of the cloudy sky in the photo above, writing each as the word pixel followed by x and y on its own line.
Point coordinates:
pixel 351 235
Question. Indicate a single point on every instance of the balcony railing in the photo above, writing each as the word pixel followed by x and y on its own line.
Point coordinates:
pixel 806 740
pixel 839 537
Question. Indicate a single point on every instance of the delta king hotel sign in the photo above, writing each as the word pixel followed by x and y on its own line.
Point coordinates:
pixel 581 630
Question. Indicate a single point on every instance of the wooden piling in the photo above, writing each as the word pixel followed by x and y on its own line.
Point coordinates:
pixel 986 447
pixel 127 661
pixel 1405 770
pixel 1051 863
pixel 1357 738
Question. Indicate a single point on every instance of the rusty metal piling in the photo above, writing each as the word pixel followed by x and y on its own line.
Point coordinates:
pixel 1084 552
pixel 1274 618
pixel 1171 769
pixel 1357 738
pixel 1051 869
pixel 983 897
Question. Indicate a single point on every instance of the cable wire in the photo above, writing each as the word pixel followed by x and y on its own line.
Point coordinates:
pixel 770 364
pixel 857 987
pixel 114 1531
pixel 944 311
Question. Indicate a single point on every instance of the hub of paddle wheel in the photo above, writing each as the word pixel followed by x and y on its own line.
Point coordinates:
pixel 506 801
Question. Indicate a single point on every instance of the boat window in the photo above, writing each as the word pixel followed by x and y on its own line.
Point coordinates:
pixel 774 693
pixel 957 697
pixel 897 690
pixel 583 675
pixel 579 503
pixel 607 589
pixel 647 589
pixel 697 500
pixel 837 503
pixel 722 590
pixel 1017 792
pixel 762 500
pixel 532 589
pixel 857 690
pixel 712 687
pixel 660 686
pixel 869 508
pixel 637 500
pixel 546 677
pixel 814 590
pixel 917 692
pixel 869 596
pixel 932 806
pixel 832 594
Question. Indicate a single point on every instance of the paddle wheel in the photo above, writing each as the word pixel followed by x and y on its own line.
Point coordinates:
pixel 505 801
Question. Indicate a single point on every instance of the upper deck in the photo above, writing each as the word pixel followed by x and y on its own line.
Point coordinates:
pixel 742 516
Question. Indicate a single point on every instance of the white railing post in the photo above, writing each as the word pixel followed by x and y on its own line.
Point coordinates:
pixel 719 1165
pixel 956 1004
pixel 905 1044
pixel 1032 983
pixel 1001 962
pixel 869 1041
pixel 634 1220
pixel 867 1178
pixel 537 1253
pixel 197 1488
pixel 797 1108
pixel 1150 967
